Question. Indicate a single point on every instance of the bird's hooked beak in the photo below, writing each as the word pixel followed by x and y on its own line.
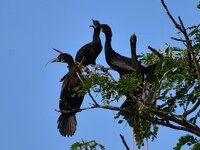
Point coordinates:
pixel 55 60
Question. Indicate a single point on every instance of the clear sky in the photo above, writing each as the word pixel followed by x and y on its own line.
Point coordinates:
pixel 30 90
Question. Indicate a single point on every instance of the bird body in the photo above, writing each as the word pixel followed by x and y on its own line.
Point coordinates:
pixel 69 99
pixel 117 62
pixel 89 52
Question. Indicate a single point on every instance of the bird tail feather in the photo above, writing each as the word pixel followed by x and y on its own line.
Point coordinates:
pixel 67 124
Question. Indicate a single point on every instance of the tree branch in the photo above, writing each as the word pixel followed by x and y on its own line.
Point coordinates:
pixel 170 16
pixel 182 29
pixel 156 52
pixel 186 113
pixel 176 39
pixel 124 142
pixel 109 107
pixel 92 98
pixel 194 29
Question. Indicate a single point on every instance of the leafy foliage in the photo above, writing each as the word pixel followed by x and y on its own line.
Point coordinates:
pixel 87 145
pixel 174 81
pixel 189 141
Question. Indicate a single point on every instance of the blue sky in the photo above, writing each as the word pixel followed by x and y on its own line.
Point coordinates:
pixel 30 89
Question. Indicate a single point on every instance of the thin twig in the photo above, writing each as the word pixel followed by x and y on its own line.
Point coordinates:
pixel 88 90
pixel 182 29
pixel 124 142
pixel 186 113
pixel 170 16
pixel 93 98
pixel 178 39
pixel 109 107
pixel 194 29
pixel 165 74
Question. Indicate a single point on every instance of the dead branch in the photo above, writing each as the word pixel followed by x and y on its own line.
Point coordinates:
pixel 93 98
pixel 176 39
pixel 194 30
pixel 109 107
pixel 156 52
pixel 124 142
pixel 182 29
pixel 186 113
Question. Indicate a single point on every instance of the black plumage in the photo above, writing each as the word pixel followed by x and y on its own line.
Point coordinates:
pixel 130 103
pixel 136 63
pixel 117 62
pixel 69 99
pixel 144 91
pixel 88 53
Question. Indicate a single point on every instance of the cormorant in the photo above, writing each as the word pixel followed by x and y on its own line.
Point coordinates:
pixel 69 100
pixel 88 53
pixel 119 63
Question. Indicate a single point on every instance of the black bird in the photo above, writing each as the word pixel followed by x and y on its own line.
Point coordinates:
pixel 119 63
pixel 69 100
pixel 88 53
pixel 130 103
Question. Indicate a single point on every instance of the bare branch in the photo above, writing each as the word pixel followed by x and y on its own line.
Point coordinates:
pixel 93 98
pixel 165 74
pixel 194 29
pixel 170 16
pixel 176 39
pixel 156 52
pixel 109 107
pixel 186 113
pixel 182 29
pixel 124 142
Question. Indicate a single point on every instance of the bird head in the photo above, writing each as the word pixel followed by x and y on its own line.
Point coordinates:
pixel 106 29
pixel 63 57
pixel 96 24
pixel 133 38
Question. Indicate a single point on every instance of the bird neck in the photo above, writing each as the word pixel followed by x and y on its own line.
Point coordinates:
pixel 96 34
pixel 71 65
pixel 108 45
pixel 133 51
pixel 135 62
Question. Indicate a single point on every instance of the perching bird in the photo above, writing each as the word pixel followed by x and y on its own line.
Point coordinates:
pixel 88 53
pixel 69 99
pixel 117 62
pixel 130 103
pixel 144 91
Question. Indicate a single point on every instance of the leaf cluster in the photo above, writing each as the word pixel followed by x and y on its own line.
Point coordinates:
pixel 87 145
pixel 188 140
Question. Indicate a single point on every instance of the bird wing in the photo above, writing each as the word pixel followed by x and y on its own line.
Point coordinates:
pixel 82 52
pixel 65 87
pixel 121 62
pixel 62 79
